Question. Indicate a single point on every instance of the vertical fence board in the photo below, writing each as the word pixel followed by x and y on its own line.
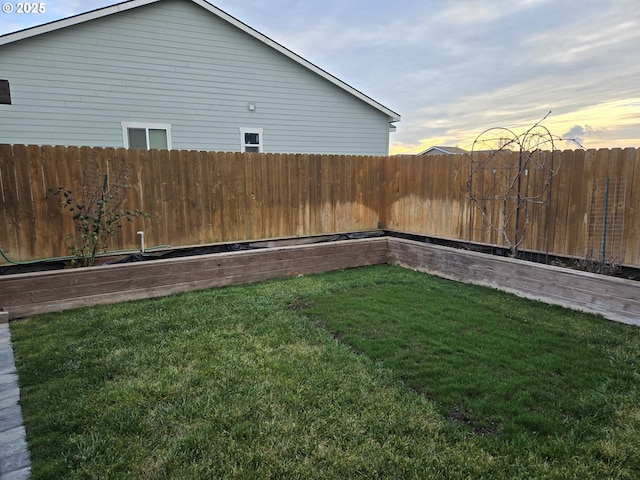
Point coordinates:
pixel 160 171
pixel 301 192
pixel 583 203
pixel 180 187
pixel 272 203
pixel 325 180
pixel 41 233
pixel 50 181
pixel 26 220
pixel 8 207
pixel 563 189
pixel 616 204
pixel 315 192
pixel 632 229
pixel 271 189
pixel 394 193
pixel 419 207
pixel 254 173
pixel 145 192
pixel 372 190
pixel 215 197
pixel 600 173
pixel 460 215
pixel 235 219
pixel 574 168
pixel 188 196
pixel 285 213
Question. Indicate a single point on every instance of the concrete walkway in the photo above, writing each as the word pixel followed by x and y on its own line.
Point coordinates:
pixel 15 463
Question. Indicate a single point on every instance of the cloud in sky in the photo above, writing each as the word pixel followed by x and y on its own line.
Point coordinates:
pixel 576 134
pixel 452 69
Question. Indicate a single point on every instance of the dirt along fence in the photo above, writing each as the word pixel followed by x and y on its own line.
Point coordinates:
pixel 590 208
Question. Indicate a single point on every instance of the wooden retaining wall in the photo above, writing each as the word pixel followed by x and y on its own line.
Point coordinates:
pixel 613 298
pixel 22 295
pixel 32 293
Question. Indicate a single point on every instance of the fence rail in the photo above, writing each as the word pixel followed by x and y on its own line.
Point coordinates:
pixel 199 198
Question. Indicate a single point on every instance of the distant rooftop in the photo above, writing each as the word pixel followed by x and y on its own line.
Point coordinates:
pixel 440 150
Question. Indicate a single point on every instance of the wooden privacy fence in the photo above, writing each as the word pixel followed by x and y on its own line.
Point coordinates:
pixel 199 198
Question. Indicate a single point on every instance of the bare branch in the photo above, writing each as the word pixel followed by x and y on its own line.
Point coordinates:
pixel 501 164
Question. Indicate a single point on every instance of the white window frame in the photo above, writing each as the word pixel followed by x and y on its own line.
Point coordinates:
pixel 260 144
pixel 146 126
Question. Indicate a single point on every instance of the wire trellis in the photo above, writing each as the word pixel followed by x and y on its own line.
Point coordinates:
pixel 510 180
pixel 605 234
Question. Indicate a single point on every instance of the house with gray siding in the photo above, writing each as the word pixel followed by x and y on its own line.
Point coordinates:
pixel 177 74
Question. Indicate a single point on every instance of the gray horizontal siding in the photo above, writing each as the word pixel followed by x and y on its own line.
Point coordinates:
pixel 174 62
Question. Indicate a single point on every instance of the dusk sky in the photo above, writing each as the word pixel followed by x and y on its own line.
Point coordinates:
pixel 454 68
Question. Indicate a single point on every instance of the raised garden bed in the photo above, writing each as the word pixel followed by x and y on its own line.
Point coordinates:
pixel 27 294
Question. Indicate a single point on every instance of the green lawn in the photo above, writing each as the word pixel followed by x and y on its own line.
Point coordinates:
pixel 377 372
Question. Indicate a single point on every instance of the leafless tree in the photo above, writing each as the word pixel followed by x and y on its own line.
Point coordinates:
pixel 511 174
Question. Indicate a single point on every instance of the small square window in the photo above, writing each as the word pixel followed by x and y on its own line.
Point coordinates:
pixel 251 140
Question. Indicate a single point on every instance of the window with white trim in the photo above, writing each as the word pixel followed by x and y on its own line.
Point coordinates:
pixel 251 140
pixel 147 135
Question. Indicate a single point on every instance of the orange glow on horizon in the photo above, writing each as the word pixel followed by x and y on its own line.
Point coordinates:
pixel 614 124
